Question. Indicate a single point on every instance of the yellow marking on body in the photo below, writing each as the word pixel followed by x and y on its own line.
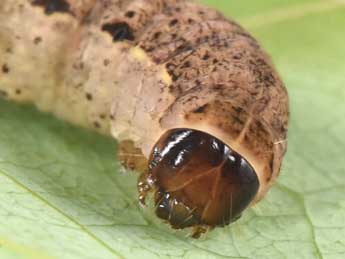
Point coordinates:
pixel 165 76
pixel 140 54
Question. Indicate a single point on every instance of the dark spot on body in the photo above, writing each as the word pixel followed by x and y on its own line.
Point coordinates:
pixel 186 64
pixel 190 21
pixel 119 31
pixel 88 96
pixel 236 119
pixel 238 56
pixel 106 62
pixel 174 77
pixel 78 65
pixel 171 88
pixel 18 91
pixel 272 164
pixel 37 40
pixel 96 124
pixel 192 98
pixel 112 117
pixel 157 35
pixel 206 56
pixel 130 14
pixel 102 116
pixel 269 177
pixel 201 109
pixel 3 93
pixel 238 110
pixel 218 87
pixel 149 49
pixel 52 6
pixel 5 69
pixel 173 22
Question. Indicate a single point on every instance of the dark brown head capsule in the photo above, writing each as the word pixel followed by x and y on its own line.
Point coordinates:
pixel 199 180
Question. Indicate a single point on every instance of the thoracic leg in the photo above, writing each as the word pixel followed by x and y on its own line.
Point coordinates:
pixel 131 157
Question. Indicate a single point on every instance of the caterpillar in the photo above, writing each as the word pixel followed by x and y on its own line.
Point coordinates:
pixel 194 101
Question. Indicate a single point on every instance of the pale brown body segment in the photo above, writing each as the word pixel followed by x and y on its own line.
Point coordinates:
pixel 136 69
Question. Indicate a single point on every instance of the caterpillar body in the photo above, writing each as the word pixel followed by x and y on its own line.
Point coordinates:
pixel 192 98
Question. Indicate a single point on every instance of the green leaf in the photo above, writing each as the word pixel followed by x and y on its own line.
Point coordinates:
pixel 62 194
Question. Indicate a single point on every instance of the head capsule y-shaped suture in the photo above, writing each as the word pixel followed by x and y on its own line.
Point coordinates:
pixel 198 180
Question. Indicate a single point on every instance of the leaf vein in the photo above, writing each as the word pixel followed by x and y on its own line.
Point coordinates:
pixel 295 12
pixel 47 203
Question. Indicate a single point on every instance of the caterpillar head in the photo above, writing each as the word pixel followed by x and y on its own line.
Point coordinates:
pixel 199 180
